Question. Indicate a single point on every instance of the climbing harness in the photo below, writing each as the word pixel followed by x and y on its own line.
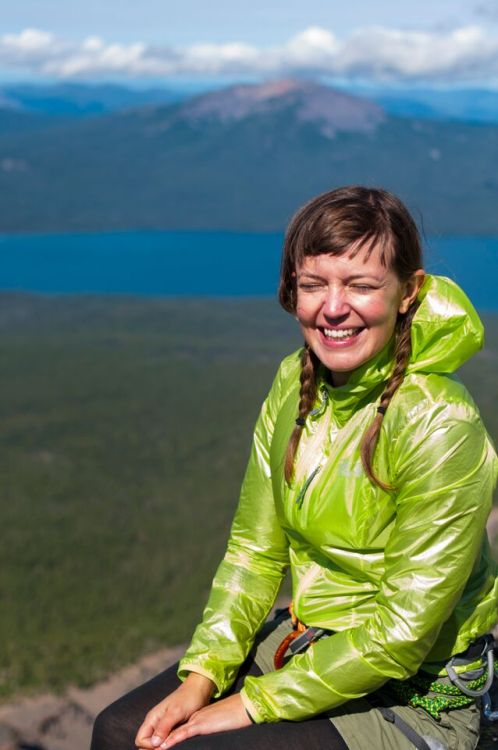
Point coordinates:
pixel 488 654
pixel 488 675
pixel 462 689
pixel 459 689
pixel 301 637
pixel 297 640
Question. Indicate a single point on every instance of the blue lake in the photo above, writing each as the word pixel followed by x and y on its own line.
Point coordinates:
pixel 201 263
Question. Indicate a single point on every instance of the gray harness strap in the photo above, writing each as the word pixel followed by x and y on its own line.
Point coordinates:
pixel 403 727
pixel 304 640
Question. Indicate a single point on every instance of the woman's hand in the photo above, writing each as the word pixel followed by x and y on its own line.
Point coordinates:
pixel 228 713
pixel 176 708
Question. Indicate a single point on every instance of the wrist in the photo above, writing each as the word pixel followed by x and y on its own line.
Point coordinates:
pixel 201 683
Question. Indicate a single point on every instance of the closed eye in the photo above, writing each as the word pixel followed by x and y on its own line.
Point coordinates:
pixel 309 286
pixel 363 288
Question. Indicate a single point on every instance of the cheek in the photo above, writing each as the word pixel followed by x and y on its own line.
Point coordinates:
pixel 380 314
pixel 304 313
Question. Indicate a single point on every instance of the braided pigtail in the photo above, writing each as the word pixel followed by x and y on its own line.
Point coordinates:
pixel 401 357
pixel 307 396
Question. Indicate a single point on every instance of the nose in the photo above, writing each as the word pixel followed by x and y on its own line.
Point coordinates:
pixel 336 305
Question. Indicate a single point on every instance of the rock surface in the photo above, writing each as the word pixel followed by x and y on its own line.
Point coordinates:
pixel 50 722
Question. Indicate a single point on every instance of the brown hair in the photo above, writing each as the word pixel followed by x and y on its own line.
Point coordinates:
pixel 331 224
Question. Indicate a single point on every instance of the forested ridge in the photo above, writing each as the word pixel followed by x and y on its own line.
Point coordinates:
pixel 125 428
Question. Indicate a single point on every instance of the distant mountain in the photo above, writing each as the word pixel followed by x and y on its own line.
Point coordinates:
pixel 81 99
pixel 465 105
pixel 331 111
pixel 71 99
pixel 32 107
pixel 244 158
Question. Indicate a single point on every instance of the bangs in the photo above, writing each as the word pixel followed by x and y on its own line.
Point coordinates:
pixel 343 240
pixel 368 244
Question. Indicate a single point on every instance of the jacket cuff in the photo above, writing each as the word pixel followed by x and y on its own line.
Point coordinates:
pixel 251 708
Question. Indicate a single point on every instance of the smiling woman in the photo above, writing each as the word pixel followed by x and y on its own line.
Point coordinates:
pixel 371 477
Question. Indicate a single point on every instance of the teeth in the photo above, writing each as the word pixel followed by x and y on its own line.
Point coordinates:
pixel 343 334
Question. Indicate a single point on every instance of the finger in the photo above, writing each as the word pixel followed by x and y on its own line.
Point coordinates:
pixel 179 735
pixel 171 718
pixel 145 731
pixel 145 745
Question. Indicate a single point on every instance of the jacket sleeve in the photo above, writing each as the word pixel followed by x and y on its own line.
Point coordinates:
pixel 444 472
pixel 249 577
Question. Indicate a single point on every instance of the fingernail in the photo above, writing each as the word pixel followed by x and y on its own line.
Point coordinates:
pixel 156 740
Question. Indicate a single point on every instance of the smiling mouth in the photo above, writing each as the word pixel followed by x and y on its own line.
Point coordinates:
pixel 335 334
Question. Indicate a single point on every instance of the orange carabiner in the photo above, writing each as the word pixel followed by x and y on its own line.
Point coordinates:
pixel 298 628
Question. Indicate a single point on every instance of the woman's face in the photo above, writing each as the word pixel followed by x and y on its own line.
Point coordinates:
pixel 348 306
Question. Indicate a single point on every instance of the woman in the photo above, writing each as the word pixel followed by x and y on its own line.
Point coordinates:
pixel 371 475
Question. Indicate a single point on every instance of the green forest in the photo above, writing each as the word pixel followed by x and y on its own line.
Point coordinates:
pixel 125 428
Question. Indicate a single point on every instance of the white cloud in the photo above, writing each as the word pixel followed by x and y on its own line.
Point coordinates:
pixel 218 58
pixel 30 47
pixel 28 41
pixel 375 53
pixel 409 55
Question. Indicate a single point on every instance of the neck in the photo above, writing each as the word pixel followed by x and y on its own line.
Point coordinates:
pixel 337 379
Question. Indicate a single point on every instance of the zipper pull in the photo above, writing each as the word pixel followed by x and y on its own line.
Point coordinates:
pixel 320 409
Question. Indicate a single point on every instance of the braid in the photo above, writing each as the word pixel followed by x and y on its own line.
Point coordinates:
pixel 401 357
pixel 307 395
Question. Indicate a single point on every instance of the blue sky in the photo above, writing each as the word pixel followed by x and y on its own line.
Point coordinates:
pixel 438 42
pixel 257 22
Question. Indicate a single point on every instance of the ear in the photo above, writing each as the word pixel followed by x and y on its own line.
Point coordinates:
pixel 411 290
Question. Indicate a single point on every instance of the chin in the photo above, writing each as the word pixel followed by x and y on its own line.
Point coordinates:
pixel 341 363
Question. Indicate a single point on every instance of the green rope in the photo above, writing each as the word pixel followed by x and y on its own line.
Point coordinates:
pixel 447 696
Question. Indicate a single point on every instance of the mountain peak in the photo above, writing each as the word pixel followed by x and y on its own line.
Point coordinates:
pixel 329 109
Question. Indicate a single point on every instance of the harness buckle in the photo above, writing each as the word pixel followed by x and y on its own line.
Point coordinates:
pixel 304 640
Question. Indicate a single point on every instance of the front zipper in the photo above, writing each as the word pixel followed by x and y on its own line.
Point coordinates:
pixel 302 492
pixel 314 447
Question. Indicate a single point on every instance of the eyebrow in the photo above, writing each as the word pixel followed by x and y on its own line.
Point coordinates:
pixel 352 277
pixel 309 275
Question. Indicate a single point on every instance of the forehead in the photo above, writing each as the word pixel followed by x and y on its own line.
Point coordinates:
pixel 353 262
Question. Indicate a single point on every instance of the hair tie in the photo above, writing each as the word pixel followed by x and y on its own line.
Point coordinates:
pixel 300 421
pixel 381 410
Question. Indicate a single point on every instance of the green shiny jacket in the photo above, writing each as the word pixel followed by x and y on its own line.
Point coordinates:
pixel 403 578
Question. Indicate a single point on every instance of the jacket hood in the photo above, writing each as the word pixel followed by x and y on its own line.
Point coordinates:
pixel 446 329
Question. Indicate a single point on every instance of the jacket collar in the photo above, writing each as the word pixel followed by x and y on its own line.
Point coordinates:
pixel 361 387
